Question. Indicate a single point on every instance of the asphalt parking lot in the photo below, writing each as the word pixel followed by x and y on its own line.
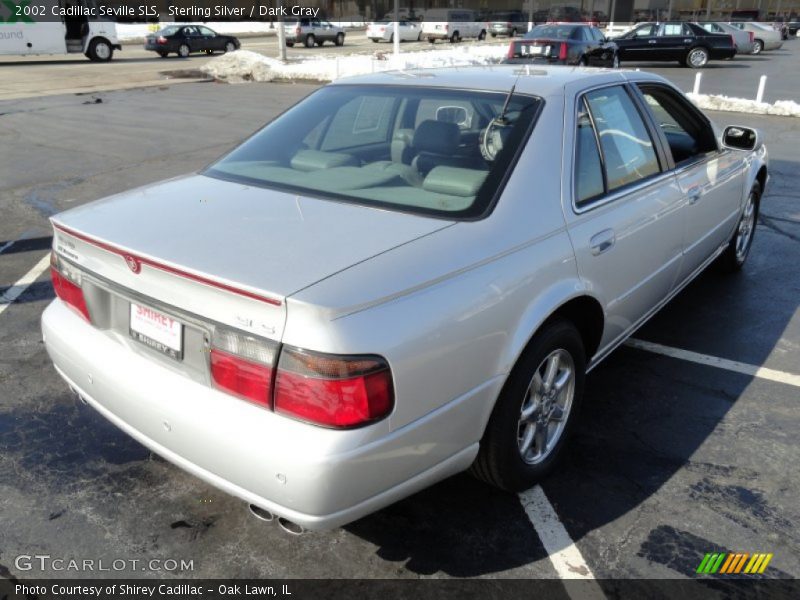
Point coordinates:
pixel 673 459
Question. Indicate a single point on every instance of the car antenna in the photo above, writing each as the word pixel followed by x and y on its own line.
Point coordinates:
pixel 501 118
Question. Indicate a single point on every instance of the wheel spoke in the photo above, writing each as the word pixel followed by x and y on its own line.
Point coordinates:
pixel 557 413
pixel 562 379
pixel 527 439
pixel 529 411
pixel 550 372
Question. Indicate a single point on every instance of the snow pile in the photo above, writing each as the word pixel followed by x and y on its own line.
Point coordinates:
pixel 782 108
pixel 244 65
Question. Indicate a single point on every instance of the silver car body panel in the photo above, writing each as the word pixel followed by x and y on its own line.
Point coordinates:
pixel 449 305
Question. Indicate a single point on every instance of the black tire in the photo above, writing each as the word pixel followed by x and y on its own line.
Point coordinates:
pixel 758 47
pixel 696 58
pixel 310 40
pixel 209 52
pixel 290 44
pixel 100 50
pixel 494 35
pixel 230 47
pixel 432 40
pixel 339 39
pixel 391 39
pixel 735 255
pixel 482 35
pixel 583 62
pixel 184 50
pixel 162 54
pixel 500 460
pixel 455 38
pixel 513 33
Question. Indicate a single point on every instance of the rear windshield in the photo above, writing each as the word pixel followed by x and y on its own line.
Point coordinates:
pixel 434 151
pixel 169 30
pixel 553 32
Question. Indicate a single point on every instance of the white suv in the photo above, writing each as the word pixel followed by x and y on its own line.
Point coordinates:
pixel 313 31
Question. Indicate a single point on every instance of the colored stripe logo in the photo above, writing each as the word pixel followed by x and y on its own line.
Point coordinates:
pixel 731 563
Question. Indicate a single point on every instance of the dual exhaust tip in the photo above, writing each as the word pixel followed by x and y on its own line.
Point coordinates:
pixel 288 526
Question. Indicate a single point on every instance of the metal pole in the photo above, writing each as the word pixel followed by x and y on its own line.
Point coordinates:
pixel 530 15
pixel 697 79
pixel 762 83
pixel 281 36
pixel 396 28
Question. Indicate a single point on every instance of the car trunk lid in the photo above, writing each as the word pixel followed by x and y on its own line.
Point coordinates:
pixel 226 251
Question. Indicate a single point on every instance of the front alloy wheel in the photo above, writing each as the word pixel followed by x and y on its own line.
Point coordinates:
pixel 735 255
pixel 230 47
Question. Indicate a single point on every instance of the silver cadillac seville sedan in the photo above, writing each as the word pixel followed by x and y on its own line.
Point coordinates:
pixel 404 276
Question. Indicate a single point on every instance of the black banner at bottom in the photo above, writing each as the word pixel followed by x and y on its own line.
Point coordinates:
pixel 705 588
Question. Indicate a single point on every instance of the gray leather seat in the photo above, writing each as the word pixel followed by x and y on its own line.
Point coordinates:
pixel 436 144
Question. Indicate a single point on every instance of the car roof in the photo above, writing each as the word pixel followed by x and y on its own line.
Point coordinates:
pixel 538 80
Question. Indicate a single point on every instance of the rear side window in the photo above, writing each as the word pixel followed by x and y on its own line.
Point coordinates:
pixel 588 165
pixel 628 151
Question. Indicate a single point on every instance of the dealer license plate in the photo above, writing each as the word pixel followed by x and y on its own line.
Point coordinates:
pixel 157 330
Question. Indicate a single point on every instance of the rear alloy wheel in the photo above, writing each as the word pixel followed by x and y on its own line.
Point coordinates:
pixel 758 46
pixel 230 47
pixel 535 411
pixel 310 40
pixel 339 39
pixel 735 255
pixel 697 58
pixel 183 50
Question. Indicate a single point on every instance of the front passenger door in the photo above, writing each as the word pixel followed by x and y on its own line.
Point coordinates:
pixel 639 43
pixel 712 179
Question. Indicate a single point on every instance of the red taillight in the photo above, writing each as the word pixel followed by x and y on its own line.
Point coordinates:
pixel 242 365
pixel 161 40
pixel 240 377
pixel 334 391
pixel 66 283
pixel 562 52
pixel 511 50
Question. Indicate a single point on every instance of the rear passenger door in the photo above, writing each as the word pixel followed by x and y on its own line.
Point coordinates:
pixel 623 209
pixel 711 178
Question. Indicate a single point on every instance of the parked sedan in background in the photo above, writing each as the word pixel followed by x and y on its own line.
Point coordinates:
pixel 185 39
pixel 743 40
pixel 566 44
pixel 764 36
pixel 406 275
pixel 687 43
pixel 384 31
pixel 508 24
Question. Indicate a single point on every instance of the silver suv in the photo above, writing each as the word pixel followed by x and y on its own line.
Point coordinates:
pixel 313 31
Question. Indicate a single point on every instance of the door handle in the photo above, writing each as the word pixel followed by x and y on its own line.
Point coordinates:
pixel 602 241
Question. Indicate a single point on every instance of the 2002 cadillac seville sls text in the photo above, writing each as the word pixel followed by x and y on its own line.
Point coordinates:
pixel 404 276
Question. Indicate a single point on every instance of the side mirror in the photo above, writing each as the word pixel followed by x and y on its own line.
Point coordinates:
pixel 741 138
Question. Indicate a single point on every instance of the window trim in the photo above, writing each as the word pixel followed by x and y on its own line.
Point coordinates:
pixel 609 196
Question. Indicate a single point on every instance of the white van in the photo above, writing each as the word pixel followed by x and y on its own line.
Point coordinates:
pixel 54 27
pixel 452 24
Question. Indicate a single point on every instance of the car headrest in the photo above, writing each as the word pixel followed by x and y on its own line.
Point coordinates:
pixel 454 181
pixel 438 137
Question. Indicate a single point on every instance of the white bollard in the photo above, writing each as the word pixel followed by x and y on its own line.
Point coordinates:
pixel 762 83
pixel 697 78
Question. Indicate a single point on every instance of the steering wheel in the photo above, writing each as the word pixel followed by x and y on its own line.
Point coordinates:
pixel 493 137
